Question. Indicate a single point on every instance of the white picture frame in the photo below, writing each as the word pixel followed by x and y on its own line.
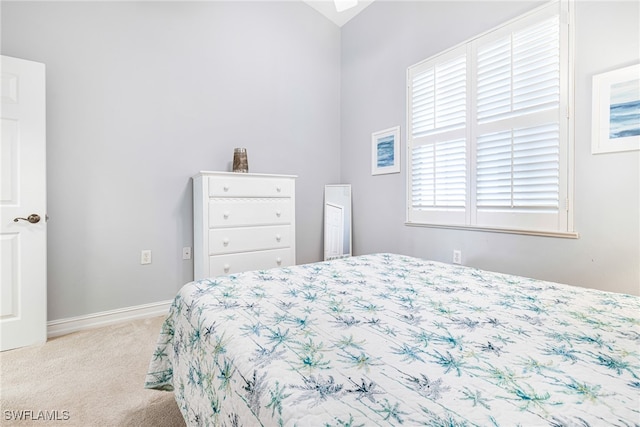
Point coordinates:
pixel 385 151
pixel 616 111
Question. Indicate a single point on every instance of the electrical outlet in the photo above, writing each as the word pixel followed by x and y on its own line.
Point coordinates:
pixel 457 256
pixel 186 252
pixel 145 256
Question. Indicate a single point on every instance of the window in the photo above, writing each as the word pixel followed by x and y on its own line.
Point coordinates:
pixel 488 130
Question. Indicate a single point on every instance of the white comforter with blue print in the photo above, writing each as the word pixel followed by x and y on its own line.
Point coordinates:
pixel 390 340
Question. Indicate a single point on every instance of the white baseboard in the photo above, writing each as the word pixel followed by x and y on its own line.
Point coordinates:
pixel 59 327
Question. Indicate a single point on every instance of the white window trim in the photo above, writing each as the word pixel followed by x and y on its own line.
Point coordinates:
pixel 567 138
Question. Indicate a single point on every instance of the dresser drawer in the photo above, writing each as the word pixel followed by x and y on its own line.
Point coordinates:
pixel 227 240
pixel 241 212
pixel 261 260
pixel 247 186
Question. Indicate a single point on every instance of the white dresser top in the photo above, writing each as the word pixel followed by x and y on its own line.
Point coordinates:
pixel 240 174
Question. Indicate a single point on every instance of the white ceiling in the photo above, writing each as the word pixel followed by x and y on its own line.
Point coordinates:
pixel 328 9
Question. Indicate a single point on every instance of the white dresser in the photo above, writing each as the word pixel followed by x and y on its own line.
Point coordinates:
pixel 242 222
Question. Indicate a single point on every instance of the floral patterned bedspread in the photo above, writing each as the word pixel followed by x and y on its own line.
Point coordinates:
pixel 384 339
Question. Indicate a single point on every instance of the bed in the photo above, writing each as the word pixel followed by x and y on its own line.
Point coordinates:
pixel 386 339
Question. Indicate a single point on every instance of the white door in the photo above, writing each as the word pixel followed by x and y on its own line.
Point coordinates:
pixel 23 225
pixel 334 231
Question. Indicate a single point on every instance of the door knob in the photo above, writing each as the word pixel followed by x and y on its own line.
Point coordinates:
pixel 33 219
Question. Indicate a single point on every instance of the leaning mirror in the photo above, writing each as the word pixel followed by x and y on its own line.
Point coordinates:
pixel 337 221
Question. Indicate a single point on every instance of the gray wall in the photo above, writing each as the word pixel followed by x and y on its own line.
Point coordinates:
pixel 140 97
pixel 387 37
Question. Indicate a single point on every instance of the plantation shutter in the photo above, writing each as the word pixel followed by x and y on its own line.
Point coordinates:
pixel 487 139
pixel 438 129
pixel 441 175
pixel 519 168
pixel 519 87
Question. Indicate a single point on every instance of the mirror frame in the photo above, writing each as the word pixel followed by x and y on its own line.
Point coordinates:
pixel 338 199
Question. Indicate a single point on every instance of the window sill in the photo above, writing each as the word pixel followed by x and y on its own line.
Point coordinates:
pixel 558 234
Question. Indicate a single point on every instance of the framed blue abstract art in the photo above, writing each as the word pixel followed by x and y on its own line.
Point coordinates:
pixel 385 151
pixel 616 111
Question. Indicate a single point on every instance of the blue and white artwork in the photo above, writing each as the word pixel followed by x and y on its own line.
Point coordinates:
pixel 624 110
pixel 386 152
pixel 615 124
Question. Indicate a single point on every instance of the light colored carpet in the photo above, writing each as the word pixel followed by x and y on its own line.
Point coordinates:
pixel 89 378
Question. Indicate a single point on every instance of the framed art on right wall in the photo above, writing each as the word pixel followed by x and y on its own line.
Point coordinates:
pixel 616 111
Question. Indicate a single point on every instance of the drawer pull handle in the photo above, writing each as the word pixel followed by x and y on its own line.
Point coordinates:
pixel 278 214
pixel 225 241
pixel 225 188
pixel 227 267
pixel 278 260
pixel 226 215
pixel 278 237
pixel 278 189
